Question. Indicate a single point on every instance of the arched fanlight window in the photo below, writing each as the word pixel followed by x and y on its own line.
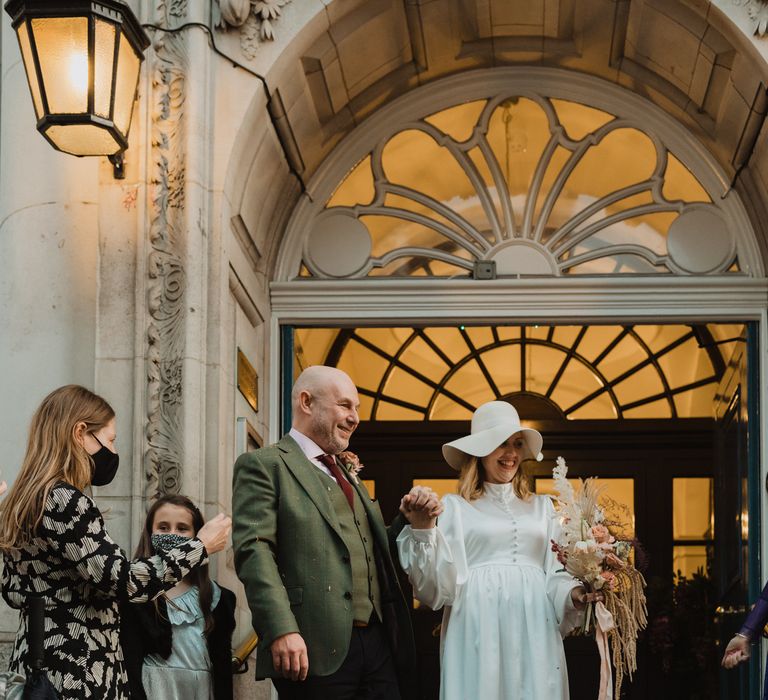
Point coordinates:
pixel 574 372
pixel 520 184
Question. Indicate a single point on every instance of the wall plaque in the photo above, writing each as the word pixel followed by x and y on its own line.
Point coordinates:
pixel 247 380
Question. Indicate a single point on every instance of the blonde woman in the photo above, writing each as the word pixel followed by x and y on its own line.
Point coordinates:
pixel 54 546
pixel 489 564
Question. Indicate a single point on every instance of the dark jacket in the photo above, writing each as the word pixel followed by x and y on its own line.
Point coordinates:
pixel 143 632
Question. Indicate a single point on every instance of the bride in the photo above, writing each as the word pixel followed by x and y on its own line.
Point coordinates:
pixel 488 563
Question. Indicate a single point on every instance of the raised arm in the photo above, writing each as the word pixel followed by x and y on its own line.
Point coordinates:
pixel 73 523
pixel 434 559
pixel 420 508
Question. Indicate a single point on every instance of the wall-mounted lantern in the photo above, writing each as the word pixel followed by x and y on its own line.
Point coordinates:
pixel 82 59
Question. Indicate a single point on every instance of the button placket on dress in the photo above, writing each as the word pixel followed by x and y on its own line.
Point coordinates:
pixel 504 499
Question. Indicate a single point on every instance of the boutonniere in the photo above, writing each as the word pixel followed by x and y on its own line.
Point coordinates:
pixel 351 463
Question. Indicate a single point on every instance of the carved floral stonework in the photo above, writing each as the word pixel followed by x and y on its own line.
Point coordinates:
pixel 758 13
pixel 6 650
pixel 177 8
pixel 166 275
pixel 255 18
pixel 233 13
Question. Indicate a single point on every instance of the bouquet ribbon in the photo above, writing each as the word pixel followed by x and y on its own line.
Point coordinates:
pixel 604 625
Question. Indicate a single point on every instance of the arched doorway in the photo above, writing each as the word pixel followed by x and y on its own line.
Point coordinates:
pixel 513 213
pixel 538 172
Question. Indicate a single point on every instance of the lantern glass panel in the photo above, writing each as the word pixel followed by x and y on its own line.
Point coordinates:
pixel 128 64
pixel 62 47
pixel 29 66
pixel 83 139
pixel 103 63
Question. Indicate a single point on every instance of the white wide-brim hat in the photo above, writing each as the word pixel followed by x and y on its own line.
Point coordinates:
pixel 492 424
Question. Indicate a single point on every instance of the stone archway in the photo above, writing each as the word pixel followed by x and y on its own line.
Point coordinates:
pixel 434 184
pixel 709 80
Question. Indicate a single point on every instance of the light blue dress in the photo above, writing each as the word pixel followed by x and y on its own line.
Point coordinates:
pixel 186 673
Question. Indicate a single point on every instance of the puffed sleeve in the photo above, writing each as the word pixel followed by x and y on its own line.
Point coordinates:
pixel 435 559
pixel 74 524
pixel 559 582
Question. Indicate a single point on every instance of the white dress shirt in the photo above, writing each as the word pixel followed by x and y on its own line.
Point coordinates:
pixel 310 448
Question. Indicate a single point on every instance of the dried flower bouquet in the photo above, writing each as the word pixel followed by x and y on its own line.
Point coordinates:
pixel 592 554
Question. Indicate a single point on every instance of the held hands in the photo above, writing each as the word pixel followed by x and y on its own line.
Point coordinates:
pixel 215 532
pixel 736 652
pixel 289 656
pixel 421 506
pixel 580 597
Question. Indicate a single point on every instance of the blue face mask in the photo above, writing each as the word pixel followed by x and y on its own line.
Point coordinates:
pixel 163 542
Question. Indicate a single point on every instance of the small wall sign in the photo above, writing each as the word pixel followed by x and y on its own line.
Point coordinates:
pixel 247 380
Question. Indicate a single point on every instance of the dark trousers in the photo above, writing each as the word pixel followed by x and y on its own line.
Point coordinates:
pixel 367 673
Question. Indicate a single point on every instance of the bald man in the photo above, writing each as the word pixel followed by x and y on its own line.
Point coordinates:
pixel 313 553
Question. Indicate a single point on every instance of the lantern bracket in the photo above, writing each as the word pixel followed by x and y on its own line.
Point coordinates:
pixel 118 165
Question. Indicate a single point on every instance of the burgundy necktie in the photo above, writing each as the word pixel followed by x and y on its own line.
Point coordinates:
pixel 330 462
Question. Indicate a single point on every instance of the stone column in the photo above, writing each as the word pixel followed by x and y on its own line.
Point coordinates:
pixel 175 253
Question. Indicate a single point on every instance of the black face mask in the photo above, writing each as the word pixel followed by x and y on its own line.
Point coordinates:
pixel 104 465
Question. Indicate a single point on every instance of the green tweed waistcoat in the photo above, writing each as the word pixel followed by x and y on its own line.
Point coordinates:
pixel 356 533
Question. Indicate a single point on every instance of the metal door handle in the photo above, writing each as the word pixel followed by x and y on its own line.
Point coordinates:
pixel 730 610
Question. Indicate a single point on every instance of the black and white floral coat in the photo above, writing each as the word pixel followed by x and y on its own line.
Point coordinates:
pixel 84 576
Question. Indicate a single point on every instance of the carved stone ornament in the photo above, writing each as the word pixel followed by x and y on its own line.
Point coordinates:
pixel 255 18
pixel 758 13
pixel 234 12
pixel 177 8
pixel 166 285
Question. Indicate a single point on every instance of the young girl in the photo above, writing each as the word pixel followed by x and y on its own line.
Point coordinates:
pixel 180 644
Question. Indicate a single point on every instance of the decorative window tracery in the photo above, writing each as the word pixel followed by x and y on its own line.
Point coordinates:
pixel 579 372
pixel 531 183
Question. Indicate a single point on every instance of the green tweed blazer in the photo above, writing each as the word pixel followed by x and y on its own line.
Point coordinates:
pixel 295 567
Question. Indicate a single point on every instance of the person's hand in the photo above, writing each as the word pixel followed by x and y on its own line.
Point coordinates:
pixel 215 532
pixel 3 487
pixel 580 597
pixel 736 652
pixel 421 506
pixel 289 656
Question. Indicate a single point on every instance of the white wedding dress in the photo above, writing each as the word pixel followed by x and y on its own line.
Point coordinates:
pixel 506 599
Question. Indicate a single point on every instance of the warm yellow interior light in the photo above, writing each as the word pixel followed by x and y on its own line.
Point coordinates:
pixel 62 50
pixel 593 372
pixel 78 73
